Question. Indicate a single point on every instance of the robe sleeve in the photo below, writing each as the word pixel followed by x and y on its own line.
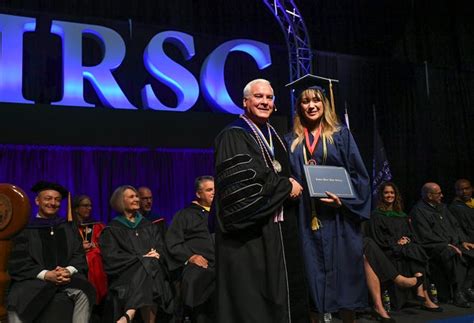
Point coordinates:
pixel 22 266
pixel 175 240
pixel 458 233
pixel 248 192
pixel 423 224
pixel 358 208
pixel 464 222
pixel 116 259
pixel 380 233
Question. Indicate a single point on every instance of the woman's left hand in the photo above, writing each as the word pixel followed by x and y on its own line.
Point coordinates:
pixel 153 254
pixel 403 241
pixel 332 200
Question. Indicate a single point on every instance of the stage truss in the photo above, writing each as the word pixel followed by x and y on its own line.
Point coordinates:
pixel 297 38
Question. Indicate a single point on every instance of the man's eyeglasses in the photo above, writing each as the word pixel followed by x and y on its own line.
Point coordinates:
pixel 85 205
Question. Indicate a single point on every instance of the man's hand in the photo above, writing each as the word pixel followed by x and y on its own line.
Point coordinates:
pixel 332 200
pixel 198 260
pixel 58 276
pixel 296 189
pixel 468 245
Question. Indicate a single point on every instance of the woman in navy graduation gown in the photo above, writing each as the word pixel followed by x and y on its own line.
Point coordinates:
pixel 330 227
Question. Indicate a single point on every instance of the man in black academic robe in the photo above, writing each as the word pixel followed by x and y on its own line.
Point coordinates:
pixel 146 204
pixel 462 207
pixel 48 266
pixel 191 249
pixel 445 242
pixel 260 272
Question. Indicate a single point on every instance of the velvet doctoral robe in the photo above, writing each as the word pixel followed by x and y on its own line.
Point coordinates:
pixel 189 235
pixel 43 245
pixel 260 274
pixel 135 281
pixel 333 254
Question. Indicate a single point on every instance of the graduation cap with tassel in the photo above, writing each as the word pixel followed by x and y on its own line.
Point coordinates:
pixel 311 81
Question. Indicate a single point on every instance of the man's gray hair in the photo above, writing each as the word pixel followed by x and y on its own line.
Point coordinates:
pixel 199 180
pixel 251 83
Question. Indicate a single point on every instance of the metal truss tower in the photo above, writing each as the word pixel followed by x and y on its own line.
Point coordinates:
pixel 297 38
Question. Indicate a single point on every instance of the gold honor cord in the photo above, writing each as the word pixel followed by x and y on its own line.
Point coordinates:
pixel 315 222
pixel 331 95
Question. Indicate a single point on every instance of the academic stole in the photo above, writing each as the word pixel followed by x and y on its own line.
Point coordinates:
pixel 267 151
pixel 308 150
pixel 470 203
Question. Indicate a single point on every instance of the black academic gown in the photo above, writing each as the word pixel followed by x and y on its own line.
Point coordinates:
pixel 188 235
pixel 260 275
pixel 381 265
pixel 135 281
pixel 436 227
pixel 334 253
pixel 36 249
pixel 408 259
pixel 465 217
pixel 157 220
pixel 386 231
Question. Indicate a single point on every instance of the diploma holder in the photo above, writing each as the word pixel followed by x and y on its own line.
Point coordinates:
pixel 321 179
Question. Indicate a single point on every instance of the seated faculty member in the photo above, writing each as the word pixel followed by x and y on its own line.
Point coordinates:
pixel 191 249
pixel 134 260
pixel 48 266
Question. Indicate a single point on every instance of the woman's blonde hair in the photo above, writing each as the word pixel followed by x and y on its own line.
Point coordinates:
pixel 329 120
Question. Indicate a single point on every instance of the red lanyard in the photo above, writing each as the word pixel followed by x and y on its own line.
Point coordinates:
pixel 312 147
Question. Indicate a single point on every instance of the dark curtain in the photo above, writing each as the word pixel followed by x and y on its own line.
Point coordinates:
pixel 424 113
pixel 96 172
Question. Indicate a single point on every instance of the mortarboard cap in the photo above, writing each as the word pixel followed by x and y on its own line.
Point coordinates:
pixel 43 186
pixel 311 81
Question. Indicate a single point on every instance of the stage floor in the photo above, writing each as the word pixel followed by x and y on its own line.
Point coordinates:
pixel 413 314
